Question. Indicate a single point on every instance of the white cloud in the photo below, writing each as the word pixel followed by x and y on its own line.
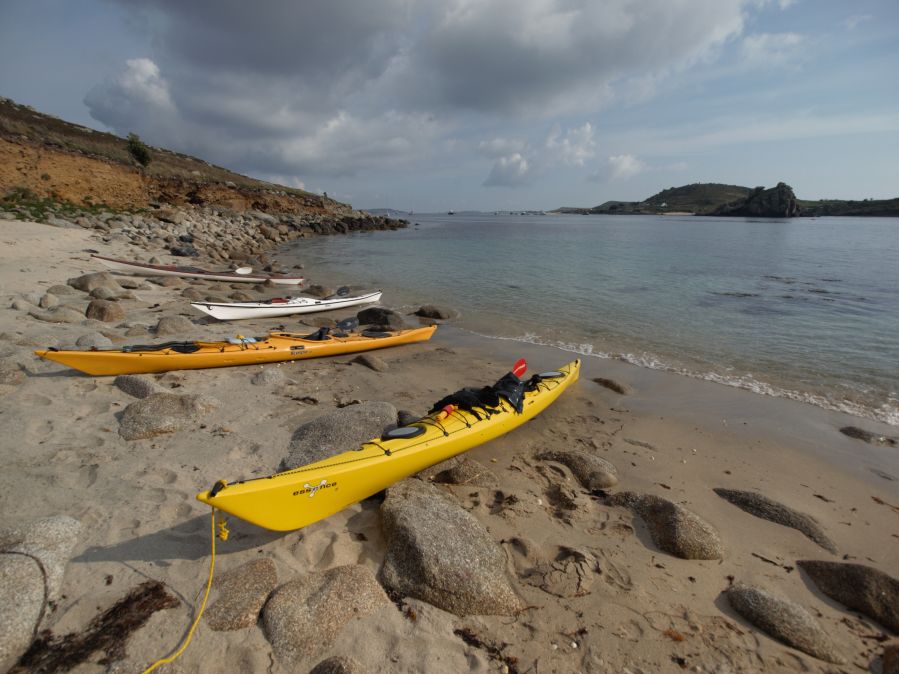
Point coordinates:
pixel 511 171
pixel 390 82
pixel 517 162
pixel 625 166
pixel 575 147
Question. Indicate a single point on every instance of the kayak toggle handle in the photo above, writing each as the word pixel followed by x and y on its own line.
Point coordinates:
pixel 217 487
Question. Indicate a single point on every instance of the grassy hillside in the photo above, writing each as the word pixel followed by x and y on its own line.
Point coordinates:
pixel 695 198
pixel 704 198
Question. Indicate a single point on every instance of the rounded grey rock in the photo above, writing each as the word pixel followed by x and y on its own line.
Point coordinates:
pixel 439 553
pixel 784 620
pixel 673 528
pixel 338 431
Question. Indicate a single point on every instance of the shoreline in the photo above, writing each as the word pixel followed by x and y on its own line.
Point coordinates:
pixel 671 436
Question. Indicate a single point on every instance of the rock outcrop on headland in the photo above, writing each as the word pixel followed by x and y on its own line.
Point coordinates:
pixel 777 202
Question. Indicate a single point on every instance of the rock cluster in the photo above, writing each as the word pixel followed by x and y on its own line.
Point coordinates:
pixel 217 233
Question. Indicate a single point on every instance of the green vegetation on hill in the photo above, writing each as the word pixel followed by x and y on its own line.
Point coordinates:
pixel 696 198
pixel 717 198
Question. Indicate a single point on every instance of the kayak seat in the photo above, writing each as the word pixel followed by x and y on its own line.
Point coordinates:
pixel 375 333
pixel 178 347
pixel 319 335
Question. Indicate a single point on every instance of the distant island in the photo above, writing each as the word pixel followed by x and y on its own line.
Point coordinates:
pixel 735 200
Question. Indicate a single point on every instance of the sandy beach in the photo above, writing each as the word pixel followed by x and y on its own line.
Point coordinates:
pixel 596 592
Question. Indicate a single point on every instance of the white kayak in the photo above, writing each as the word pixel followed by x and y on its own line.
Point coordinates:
pixel 243 274
pixel 282 306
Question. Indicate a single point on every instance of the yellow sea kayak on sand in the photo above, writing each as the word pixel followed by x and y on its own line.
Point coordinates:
pixel 278 346
pixel 304 495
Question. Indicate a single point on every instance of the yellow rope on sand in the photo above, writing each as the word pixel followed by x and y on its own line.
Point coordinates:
pixel 223 533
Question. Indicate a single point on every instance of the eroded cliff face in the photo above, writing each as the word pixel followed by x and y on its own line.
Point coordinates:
pixel 777 202
pixel 81 179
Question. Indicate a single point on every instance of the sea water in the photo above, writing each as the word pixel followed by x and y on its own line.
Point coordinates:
pixel 801 308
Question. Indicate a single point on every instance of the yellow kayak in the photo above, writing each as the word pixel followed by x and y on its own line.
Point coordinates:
pixel 304 495
pixel 278 346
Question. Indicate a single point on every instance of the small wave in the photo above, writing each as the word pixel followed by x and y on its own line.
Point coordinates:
pixel 887 413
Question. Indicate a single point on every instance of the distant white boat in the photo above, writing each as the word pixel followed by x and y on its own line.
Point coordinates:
pixel 243 274
pixel 282 306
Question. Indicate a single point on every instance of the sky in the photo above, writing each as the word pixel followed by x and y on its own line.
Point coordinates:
pixel 432 105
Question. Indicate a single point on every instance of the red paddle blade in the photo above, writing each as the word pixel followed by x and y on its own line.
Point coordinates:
pixel 520 367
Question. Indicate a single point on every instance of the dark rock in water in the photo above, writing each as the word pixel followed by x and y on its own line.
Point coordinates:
pixel 784 620
pixel 98 279
pixel 861 588
pixel 161 413
pixel 184 251
pixel 303 617
pixel 763 507
pixel 439 553
pixel 613 385
pixel 338 431
pixel 673 528
pixel 339 664
pixel 432 311
pixel 468 472
pixel 777 202
pixel 592 471
pixel 868 436
pixel 104 310
pixel 380 316
pixel 372 362
pixel 242 593
pixel 186 238
pixel 174 325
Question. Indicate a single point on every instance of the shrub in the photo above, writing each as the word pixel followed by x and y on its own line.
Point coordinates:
pixel 138 150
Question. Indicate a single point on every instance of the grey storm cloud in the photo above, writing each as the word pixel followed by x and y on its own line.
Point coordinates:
pixel 334 86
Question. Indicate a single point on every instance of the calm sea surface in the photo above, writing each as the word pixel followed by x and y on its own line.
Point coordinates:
pixel 805 308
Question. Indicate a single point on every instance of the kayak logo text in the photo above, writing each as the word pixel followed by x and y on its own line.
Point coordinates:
pixel 311 489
